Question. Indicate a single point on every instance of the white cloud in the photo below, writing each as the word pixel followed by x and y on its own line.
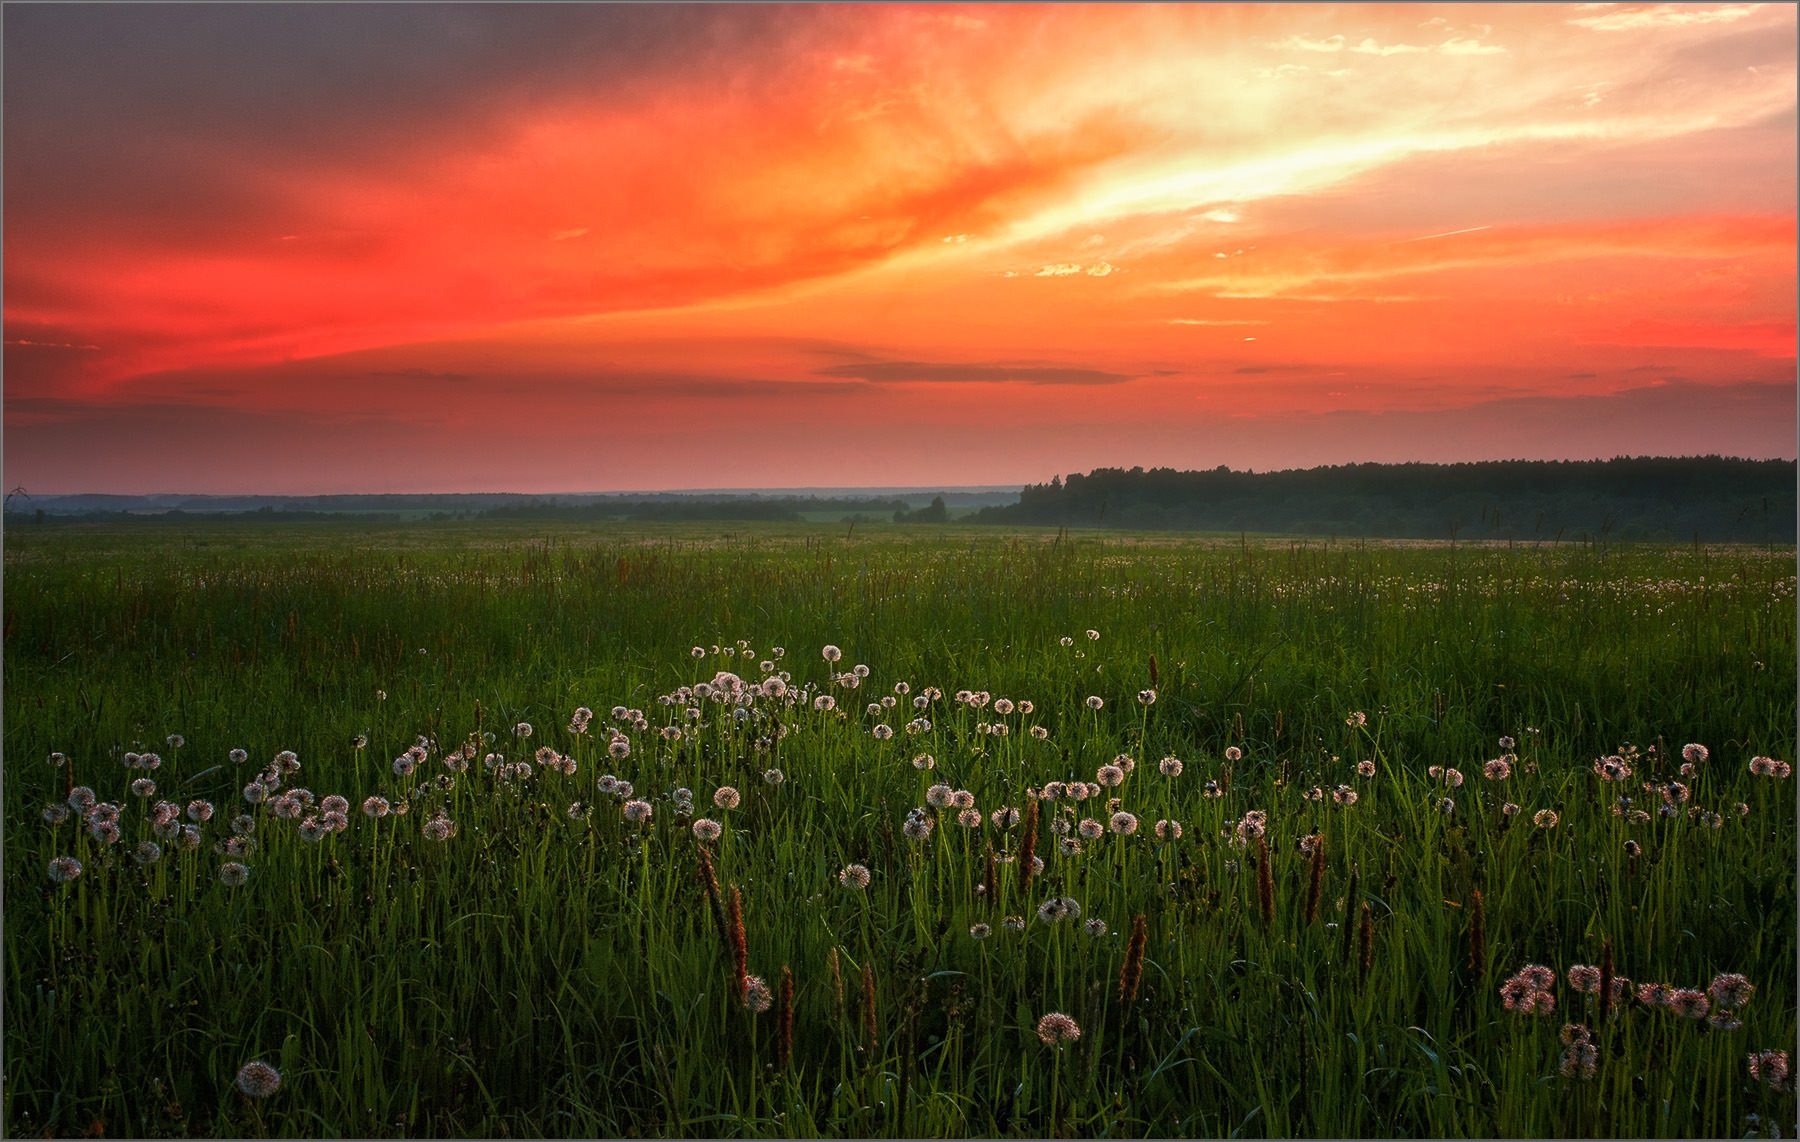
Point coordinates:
pixel 1664 16
pixel 1458 46
pixel 1100 269
pixel 1368 46
pixel 1059 270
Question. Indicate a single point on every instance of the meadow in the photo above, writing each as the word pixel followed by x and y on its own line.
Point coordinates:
pixel 796 830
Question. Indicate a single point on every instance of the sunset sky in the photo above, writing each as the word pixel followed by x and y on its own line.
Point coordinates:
pixel 347 248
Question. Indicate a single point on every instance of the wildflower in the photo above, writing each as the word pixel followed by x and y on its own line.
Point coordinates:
pixel 1722 1019
pixel 404 765
pixel 1233 753
pixel 1068 846
pixel 1095 701
pixel 917 827
pixel 64 869
pixel 258 1079
pixel 969 818
pixel 938 796
pixel 1729 989
pixel 1453 778
pixel 1446 805
pixel 1357 719
pixel 637 812
pixel 825 702
pixel 1168 830
pixel 1344 795
pixel 1579 1060
pixel 1498 769
pixel 1065 640
pixel 255 793
pixel 1013 923
pixel 58 759
pixel 81 799
pixel 773 777
pixel 522 730
pixel 1056 1029
pixel 1123 824
pixel 1693 753
pixel 147 852
pixel 149 761
pixel 619 747
pixel 726 797
pixel 1655 994
pixel 1365 768
pixel 1545 818
pixel 1509 809
pixel 854 877
pixel 1769 1068
pixel 882 732
pixel 1633 849
pixel 1770 767
pixel 313 829
pixel 1052 910
pixel 1689 1002
pixel 757 996
pixel 287 761
pixel 232 874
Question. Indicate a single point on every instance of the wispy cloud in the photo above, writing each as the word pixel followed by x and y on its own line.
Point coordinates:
pixel 1369 46
pixel 1635 17
pixel 910 372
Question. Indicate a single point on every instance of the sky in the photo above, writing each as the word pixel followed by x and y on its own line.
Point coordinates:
pixel 270 248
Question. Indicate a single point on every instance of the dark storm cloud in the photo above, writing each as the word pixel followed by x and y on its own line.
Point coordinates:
pixel 171 107
pixel 899 372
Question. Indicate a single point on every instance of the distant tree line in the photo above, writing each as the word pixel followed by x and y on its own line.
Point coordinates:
pixel 724 509
pixel 1708 498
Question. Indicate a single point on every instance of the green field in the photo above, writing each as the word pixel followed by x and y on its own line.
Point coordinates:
pixel 512 956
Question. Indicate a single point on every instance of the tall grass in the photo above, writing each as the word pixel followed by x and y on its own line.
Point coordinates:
pixel 555 969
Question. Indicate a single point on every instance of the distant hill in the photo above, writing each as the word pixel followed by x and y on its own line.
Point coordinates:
pixel 1707 498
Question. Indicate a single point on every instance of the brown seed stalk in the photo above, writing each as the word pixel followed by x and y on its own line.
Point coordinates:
pixel 709 881
pixel 871 1029
pixel 784 1019
pixel 1028 848
pixel 1477 932
pixel 740 944
pixel 1155 675
pixel 1606 979
pixel 1265 884
pixel 1315 887
pixel 990 881
pixel 1131 972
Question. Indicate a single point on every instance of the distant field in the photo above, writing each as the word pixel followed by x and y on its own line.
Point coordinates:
pixel 1263 939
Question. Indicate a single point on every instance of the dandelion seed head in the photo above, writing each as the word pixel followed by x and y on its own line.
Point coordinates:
pixel 232 874
pixel 258 1080
pixel 1233 753
pixel 1055 1029
pixel 854 877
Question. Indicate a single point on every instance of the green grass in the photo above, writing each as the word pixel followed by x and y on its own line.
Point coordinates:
pixel 541 973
